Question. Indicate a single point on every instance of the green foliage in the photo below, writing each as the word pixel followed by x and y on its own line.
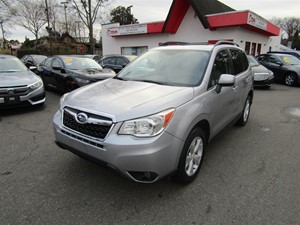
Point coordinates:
pixel 123 16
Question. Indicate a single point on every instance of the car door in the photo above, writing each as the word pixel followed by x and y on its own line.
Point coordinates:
pixel 275 65
pixel 221 106
pixel 45 70
pixel 57 75
pixel 243 76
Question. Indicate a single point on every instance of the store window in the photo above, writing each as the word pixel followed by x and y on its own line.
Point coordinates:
pixel 258 51
pixel 133 50
pixel 253 48
pixel 247 47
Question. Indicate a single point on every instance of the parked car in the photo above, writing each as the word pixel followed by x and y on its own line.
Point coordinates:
pixel 33 61
pixel 294 53
pixel 66 73
pixel 157 116
pixel 94 57
pixel 286 68
pixel 19 86
pixel 116 62
pixel 263 77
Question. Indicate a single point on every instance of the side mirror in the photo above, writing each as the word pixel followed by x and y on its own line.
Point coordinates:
pixel 226 80
pixel 279 63
pixel 32 68
pixel 63 70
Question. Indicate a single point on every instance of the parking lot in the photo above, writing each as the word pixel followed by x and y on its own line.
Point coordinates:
pixel 250 175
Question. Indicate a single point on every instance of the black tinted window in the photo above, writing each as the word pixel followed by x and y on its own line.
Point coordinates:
pixel 239 61
pixel 121 62
pixel 221 66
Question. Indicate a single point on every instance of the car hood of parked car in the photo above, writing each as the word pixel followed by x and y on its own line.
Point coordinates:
pixel 120 99
pixel 260 69
pixel 9 79
pixel 95 73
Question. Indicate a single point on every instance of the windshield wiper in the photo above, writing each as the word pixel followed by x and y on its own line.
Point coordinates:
pixel 119 78
pixel 151 81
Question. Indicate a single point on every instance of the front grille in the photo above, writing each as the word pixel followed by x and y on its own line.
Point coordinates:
pixel 82 139
pixel 90 129
pixel 13 90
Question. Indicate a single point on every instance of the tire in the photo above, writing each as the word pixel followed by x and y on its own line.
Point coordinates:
pixel 290 79
pixel 245 114
pixel 191 157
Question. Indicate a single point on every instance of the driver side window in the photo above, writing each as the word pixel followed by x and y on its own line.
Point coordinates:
pixel 221 66
pixel 56 63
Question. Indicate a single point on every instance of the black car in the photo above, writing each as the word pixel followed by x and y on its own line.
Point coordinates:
pixel 286 68
pixel 116 62
pixel 294 53
pixel 66 73
pixel 33 60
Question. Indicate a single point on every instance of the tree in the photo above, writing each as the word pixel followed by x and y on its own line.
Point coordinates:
pixel 30 15
pixel 289 24
pixel 296 41
pixel 88 11
pixel 123 16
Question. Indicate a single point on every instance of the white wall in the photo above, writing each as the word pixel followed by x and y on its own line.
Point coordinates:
pixel 190 30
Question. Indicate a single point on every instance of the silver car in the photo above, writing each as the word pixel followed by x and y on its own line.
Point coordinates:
pixel 263 77
pixel 18 85
pixel 156 117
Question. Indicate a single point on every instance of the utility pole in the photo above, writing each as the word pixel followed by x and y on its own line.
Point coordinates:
pixel 1 22
pixel 48 21
pixel 65 7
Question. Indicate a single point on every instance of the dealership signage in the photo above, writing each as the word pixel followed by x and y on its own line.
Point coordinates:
pixel 257 21
pixel 127 30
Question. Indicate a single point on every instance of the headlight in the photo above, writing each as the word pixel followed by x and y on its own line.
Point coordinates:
pixel 61 101
pixel 148 126
pixel 271 74
pixel 83 81
pixel 36 85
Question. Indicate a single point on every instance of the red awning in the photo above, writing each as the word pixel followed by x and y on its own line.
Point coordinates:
pixel 245 19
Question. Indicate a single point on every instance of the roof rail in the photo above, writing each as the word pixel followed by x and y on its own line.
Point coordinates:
pixel 182 43
pixel 168 43
pixel 226 43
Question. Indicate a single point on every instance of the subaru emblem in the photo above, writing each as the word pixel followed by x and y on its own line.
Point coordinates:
pixel 81 118
pixel 10 91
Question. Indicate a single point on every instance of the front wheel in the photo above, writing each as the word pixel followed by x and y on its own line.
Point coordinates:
pixel 245 114
pixel 290 79
pixel 191 156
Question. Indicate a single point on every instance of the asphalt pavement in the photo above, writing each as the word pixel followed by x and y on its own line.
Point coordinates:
pixel 250 175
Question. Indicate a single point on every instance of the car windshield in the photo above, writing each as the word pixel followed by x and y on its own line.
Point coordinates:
pixel 11 64
pixel 81 64
pixel 289 59
pixel 252 60
pixel 39 58
pixel 168 67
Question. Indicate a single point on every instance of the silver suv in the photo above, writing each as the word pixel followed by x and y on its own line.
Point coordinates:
pixel 156 117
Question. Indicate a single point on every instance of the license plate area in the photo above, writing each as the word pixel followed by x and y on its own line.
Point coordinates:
pixel 12 100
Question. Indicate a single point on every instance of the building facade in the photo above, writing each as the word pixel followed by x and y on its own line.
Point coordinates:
pixel 194 21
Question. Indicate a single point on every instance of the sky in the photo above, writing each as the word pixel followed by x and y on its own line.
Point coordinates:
pixel 157 10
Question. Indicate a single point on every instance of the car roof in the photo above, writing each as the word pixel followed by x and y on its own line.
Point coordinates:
pixel 7 56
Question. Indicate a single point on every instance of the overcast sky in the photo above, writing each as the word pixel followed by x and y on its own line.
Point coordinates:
pixel 157 10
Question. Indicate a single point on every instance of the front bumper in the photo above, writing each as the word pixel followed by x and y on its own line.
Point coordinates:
pixel 31 97
pixel 134 157
pixel 263 83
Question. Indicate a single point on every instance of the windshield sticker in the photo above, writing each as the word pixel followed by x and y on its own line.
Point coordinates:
pixel 68 60
pixel 286 60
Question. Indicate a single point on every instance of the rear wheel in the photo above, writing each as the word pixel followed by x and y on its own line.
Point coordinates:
pixel 290 79
pixel 245 114
pixel 191 156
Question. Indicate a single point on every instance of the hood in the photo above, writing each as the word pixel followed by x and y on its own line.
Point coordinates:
pixel 95 73
pixel 127 99
pixel 260 69
pixel 9 79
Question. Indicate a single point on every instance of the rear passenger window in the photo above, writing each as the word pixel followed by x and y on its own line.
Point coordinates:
pixel 221 66
pixel 239 61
